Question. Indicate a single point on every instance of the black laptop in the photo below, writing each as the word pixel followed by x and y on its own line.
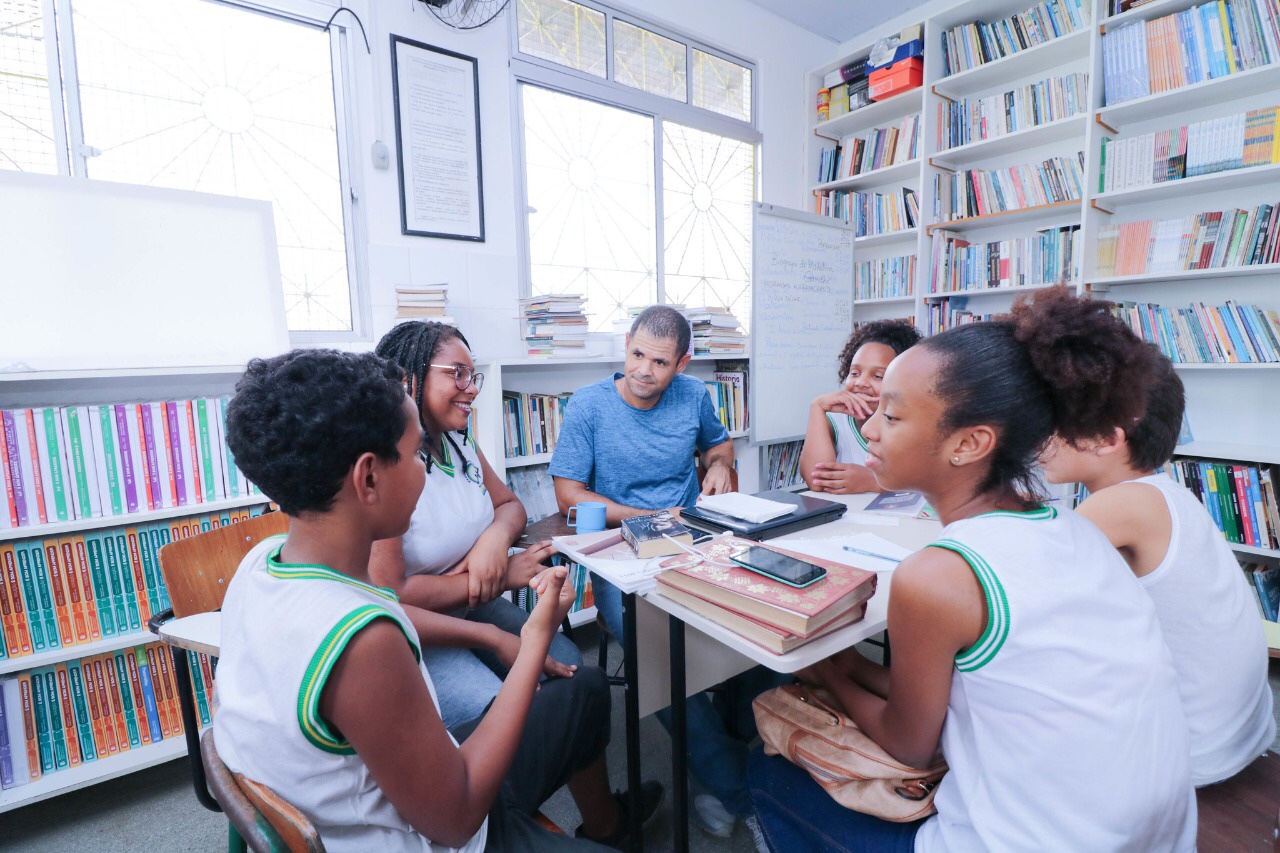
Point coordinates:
pixel 810 512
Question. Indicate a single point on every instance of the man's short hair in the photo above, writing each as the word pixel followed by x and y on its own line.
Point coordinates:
pixel 666 324
pixel 1154 437
pixel 299 421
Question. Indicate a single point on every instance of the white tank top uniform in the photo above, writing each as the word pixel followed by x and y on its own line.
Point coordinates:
pixel 1064 730
pixel 1204 605
pixel 283 627
pixel 453 510
pixel 851 447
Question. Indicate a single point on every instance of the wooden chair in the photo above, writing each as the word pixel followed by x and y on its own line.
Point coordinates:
pixel 266 823
pixel 196 572
pixel 1240 814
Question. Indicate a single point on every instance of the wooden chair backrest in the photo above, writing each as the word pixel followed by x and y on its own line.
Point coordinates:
pixel 197 570
pixel 266 821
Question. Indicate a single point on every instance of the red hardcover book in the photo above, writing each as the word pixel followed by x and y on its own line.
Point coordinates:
pixel 71 576
pixel 96 721
pixel 107 663
pixel 94 665
pixel 87 597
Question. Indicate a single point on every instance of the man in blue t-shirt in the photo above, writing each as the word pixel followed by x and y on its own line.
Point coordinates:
pixel 628 443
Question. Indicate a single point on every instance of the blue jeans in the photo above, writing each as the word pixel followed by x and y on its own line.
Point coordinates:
pixel 795 813
pixel 720 726
pixel 466 680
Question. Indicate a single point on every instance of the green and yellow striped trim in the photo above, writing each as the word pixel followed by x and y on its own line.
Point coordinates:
pixel 312 571
pixel 313 726
pixel 445 464
pixel 997 631
pixel 1041 513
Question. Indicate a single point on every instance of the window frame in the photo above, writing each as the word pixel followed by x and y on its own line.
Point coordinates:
pixel 72 152
pixel 535 71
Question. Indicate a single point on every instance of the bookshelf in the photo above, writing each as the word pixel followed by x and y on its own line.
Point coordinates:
pixel 1232 407
pixel 92 388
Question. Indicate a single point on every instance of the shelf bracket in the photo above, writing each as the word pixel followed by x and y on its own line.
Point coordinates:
pixel 1099 120
pixel 934 87
pixel 1096 288
pixel 824 136
pixel 1094 204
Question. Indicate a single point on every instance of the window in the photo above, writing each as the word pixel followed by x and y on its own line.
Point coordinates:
pixel 640 171
pixel 199 96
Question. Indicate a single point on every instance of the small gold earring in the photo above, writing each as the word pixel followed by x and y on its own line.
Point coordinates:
pixel 955 460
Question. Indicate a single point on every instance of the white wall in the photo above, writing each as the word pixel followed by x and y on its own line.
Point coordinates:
pixel 484 277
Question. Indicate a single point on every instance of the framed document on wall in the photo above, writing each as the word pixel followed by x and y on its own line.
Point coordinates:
pixel 437 107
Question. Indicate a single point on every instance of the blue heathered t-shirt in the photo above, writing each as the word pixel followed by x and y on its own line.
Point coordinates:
pixel 638 457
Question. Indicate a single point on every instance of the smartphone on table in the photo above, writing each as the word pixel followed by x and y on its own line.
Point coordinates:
pixel 777 566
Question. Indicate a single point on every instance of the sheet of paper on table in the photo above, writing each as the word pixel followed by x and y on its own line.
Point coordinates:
pixel 616 563
pixel 832 548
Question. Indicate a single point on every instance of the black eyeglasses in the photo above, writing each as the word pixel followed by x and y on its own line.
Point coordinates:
pixel 462 376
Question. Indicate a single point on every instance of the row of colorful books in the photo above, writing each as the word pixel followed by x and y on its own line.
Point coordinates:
pixel 1208 41
pixel 1207 334
pixel 884 278
pixel 1237 141
pixel 728 390
pixel 978 192
pixel 58 717
pixel 82 587
pixel 1241 498
pixel 871 150
pixel 1215 239
pixel 426 302
pixel 1052 256
pixel 871 213
pixel 554 325
pixel 73 462
pixel 970 45
pixel 535 489
pixel 531 422
pixel 974 119
pixel 784 465
pixel 948 313
pixel 583 597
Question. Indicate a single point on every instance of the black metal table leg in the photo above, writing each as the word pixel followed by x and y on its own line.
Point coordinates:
pixel 631 669
pixel 191 728
pixel 679 737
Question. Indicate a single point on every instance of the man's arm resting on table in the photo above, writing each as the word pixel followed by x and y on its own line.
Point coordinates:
pixel 571 492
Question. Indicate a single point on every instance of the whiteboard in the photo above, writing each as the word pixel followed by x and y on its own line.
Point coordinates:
pixel 102 276
pixel 801 314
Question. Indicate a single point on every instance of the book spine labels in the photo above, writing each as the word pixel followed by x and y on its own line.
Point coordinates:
pixel 141 464
pixel 125 737
pixel 6 745
pixel 66 711
pixel 126 699
pixel 141 586
pixel 191 459
pixel 48 609
pixel 132 595
pixel 40 708
pixel 170 685
pixel 176 459
pixel 146 688
pixel 97 559
pixel 156 680
pixel 112 724
pixel 97 730
pixel 48 456
pixel 75 592
pixel 80 707
pixel 207 461
pixel 120 613
pixel 74 440
pixel 197 682
pixel 53 715
pixel 128 471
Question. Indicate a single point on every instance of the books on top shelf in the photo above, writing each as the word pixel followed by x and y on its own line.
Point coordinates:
pixel 1237 141
pixel 975 119
pixel 1207 334
pixel 884 278
pixel 82 587
pixel 1206 42
pixel 1052 256
pixel 949 312
pixel 789 616
pixel 531 422
pixel 978 192
pixel 871 150
pixel 1210 240
pixel 970 45
pixel 1241 499
pixel 870 213
pixel 74 462
pixel 423 302
pixel 554 325
pixel 715 331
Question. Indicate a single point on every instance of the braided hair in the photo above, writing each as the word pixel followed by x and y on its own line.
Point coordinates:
pixel 412 345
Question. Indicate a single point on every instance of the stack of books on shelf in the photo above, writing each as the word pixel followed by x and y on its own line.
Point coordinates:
pixel 78 712
pixel 974 119
pixel 1237 141
pixel 716 331
pixel 970 45
pixel 534 488
pixel 75 462
pixel 870 213
pixel 1052 256
pixel 622 325
pixel 949 312
pixel 784 465
pixel 426 302
pixel 884 278
pixel 1207 334
pixel 1265 579
pixel 554 325
pixel 728 390
pixel 978 192
pixel 874 149
pixel 1205 42
pixel 770 614
pixel 1240 498
pixel 1210 240
pixel 532 422
pixel 63 591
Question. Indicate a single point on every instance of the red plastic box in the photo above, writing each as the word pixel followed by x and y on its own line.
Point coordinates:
pixel 896 79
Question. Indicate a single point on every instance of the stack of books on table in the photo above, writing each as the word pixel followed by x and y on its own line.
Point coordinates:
pixel 716 331
pixel 770 614
pixel 554 325
pixel 424 302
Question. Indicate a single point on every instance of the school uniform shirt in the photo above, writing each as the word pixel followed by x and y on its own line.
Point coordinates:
pixel 1064 731
pixel 284 626
pixel 453 510
pixel 851 447
pixel 1213 632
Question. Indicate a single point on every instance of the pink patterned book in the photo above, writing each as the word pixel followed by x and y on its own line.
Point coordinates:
pixel 796 611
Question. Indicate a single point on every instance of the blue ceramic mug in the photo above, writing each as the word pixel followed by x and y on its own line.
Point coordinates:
pixel 590 516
